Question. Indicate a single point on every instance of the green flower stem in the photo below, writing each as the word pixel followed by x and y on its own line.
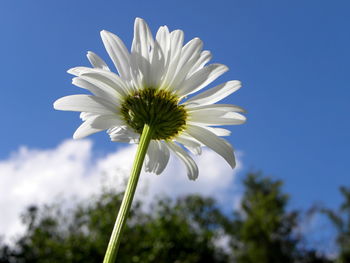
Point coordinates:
pixel 114 241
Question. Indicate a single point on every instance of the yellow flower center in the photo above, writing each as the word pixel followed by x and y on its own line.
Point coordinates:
pixel 157 108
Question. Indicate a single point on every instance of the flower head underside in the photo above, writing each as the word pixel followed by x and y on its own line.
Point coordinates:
pixel 153 81
pixel 157 108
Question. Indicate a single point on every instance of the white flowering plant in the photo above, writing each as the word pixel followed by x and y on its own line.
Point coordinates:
pixel 152 102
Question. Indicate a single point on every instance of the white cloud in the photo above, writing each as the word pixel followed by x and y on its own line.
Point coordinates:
pixel 31 176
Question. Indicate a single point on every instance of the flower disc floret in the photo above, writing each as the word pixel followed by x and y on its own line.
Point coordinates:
pixel 157 108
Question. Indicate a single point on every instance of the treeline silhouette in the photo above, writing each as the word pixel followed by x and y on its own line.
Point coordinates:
pixel 190 229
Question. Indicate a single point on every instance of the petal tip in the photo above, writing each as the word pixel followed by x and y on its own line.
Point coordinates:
pixel 77 136
pixel 231 160
pixel 139 20
pixel 233 164
pixel 56 104
pixel 193 178
pixel 72 71
pixel 224 68
pixel 103 32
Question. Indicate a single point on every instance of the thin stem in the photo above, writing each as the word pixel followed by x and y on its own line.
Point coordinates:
pixel 114 241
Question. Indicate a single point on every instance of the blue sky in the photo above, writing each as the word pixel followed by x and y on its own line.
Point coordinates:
pixel 292 56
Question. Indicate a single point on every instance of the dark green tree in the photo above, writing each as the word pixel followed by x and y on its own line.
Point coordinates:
pixel 5 252
pixel 184 230
pixel 341 220
pixel 264 227
pixel 264 230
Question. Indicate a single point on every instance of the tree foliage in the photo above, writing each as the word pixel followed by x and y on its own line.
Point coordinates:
pixel 181 231
pixel 186 230
pixel 264 227
pixel 341 220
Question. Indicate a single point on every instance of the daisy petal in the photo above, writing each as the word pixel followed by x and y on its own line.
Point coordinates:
pixel 96 61
pixel 84 130
pixel 214 142
pixel 164 157
pixel 218 131
pixel 105 83
pixel 123 134
pixel 189 56
pixel 143 39
pixel 151 157
pixel 85 103
pixel 163 40
pixel 192 169
pixel 100 91
pixel 157 157
pixel 216 116
pixel 201 78
pixel 118 53
pixel 217 107
pixel 192 145
pixel 177 39
pixel 86 115
pixel 156 66
pixel 141 46
pixel 106 77
pixel 106 121
pixel 77 71
pixel 141 71
pixel 204 58
pixel 96 124
pixel 173 56
pixel 215 94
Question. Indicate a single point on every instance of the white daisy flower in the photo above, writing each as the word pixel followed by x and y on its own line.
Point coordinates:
pixel 151 87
